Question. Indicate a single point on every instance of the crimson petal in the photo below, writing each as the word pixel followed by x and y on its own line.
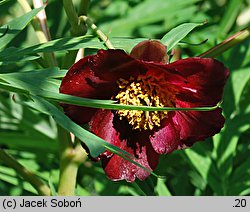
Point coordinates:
pixel 205 80
pixel 150 50
pixel 167 138
pixel 95 77
pixel 198 125
pixel 197 82
pixel 115 167
pixel 114 64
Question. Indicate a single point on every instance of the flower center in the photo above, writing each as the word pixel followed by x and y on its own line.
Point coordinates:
pixel 143 91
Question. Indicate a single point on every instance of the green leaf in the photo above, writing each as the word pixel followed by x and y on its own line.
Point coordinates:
pixel 203 164
pixel 161 188
pixel 13 54
pixel 240 86
pixel 146 186
pixel 177 34
pixel 226 143
pixel 109 104
pixel 20 141
pixel 9 175
pixel 94 143
pixel 52 187
pixel 225 146
pixel 3 1
pixel 145 13
pixel 33 83
pixel 230 16
pixel 15 26
pixel 244 102
pixel 242 172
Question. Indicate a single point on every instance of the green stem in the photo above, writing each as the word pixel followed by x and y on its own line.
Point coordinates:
pixel 41 36
pixel 100 34
pixel 84 6
pixel 70 156
pixel 77 28
pixel 228 43
pixel 69 59
pixel 70 159
pixel 42 18
pixel 27 175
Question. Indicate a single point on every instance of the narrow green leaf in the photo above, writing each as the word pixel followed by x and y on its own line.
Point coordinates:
pixel 161 188
pixel 3 1
pixel 226 144
pixel 230 16
pixel 17 140
pixel 62 44
pixel 204 166
pixel 145 13
pixel 15 26
pixel 147 186
pixel 242 172
pixel 10 176
pixel 94 143
pixel 52 187
pixel 109 104
pixel 244 102
pixel 93 103
pixel 174 36
pixel 230 42
pixel 33 85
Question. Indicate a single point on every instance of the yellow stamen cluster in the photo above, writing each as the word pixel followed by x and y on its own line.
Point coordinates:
pixel 142 91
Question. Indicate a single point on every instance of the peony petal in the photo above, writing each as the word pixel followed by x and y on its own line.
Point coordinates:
pixel 81 81
pixel 198 125
pixel 151 51
pixel 112 65
pixel 194 82
pixel 198 81
pixel 103 124
pixel 205 80
pixel 95 77
pixel 166 139
pixel 117 168
pixel 78 114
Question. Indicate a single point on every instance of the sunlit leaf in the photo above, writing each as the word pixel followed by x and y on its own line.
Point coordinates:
pixel 15 26
pixel 177 34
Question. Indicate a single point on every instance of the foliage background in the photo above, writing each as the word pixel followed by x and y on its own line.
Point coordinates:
pixel 217 166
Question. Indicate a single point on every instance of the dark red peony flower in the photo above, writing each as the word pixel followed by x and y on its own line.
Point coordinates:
pixel 144 78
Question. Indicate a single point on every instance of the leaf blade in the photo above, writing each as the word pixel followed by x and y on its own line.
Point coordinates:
pixel 175 35
pixel 16 25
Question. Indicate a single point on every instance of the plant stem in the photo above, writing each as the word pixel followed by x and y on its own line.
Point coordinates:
pixel 228 43
pixel 84 6
pixel 77 28
pixel 41 36
pixel 70 159
pixel 100 34
pixel 69 59
pixel 27 175
pixel 42 18
pixel 71 156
